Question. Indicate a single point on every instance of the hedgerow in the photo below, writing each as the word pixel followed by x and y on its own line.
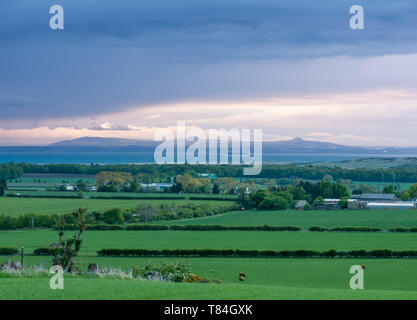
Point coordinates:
pixel 403 230
pixel 345 229
pixel 8 251
pixel 382 253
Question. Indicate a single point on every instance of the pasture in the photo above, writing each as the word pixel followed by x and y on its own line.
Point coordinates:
pixel 266 279
pixel 114 289
pixel 17 206
pixel 262 240
pixel 383 219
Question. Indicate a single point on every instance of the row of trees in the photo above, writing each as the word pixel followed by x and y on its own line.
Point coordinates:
pixel 7 172
pixel 156 173
pixel 285 197
pixel 145 212
pixel 112 181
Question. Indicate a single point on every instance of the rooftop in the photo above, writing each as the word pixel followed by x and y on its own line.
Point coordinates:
pixel 375 196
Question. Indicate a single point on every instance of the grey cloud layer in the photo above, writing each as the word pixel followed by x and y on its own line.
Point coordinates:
pixel 118 54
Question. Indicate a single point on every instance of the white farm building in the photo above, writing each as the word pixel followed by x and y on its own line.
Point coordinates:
pixel 391 205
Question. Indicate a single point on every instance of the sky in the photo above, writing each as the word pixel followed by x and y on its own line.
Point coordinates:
pixel 293 68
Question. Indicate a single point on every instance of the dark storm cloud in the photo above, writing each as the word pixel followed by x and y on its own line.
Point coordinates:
pixel 116 54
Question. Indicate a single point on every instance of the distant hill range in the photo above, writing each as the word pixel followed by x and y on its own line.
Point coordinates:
pixel 297 145
pixel 103 142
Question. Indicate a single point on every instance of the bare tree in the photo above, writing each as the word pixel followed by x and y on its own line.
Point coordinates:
pixel 68 249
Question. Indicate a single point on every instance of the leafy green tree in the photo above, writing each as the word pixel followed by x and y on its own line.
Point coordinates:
pixel 389 189
pixel 326 189
pixel 243 198
pixel 177 188
pixel 318 201
pixel 307 206
pixel 274 202
pixel 341 191
pixel 412 191
pixel 113 216
pixel 82 186
pixel 298 193
pixel 227 185
pixel 367 188
pixel 405 196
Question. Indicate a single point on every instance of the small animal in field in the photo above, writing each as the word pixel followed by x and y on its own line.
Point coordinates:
pixel 241 278
pixel 242 274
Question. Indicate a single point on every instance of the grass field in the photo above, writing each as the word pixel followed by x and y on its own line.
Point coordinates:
pixel 96 240
pixel 266 278
pixel 104 289
pixel 17 206
pixel 381 274
pixel 383 219
pixel 49 180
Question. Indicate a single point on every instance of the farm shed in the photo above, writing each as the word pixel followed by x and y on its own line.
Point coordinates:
pixel 391 205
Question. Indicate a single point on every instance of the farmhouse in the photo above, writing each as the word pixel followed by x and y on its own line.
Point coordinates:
pixel 355 204
pixel 69 187
pixel 328 204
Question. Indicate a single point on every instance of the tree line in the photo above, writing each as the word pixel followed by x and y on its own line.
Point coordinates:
pixel 143 213
pixel 156 173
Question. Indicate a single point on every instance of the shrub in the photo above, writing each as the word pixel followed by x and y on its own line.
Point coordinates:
pixel 113 216
pixel 167 271
pixel 42 252
pixel 307 206
pixel 403 230
pixel 317 229
pixel 8 251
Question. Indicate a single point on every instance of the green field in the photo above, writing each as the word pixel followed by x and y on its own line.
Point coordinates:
pixel 96 240
pixel 49 180
pixel 266 278
pixel 383 219
pixel 17 206
pixel 106 289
